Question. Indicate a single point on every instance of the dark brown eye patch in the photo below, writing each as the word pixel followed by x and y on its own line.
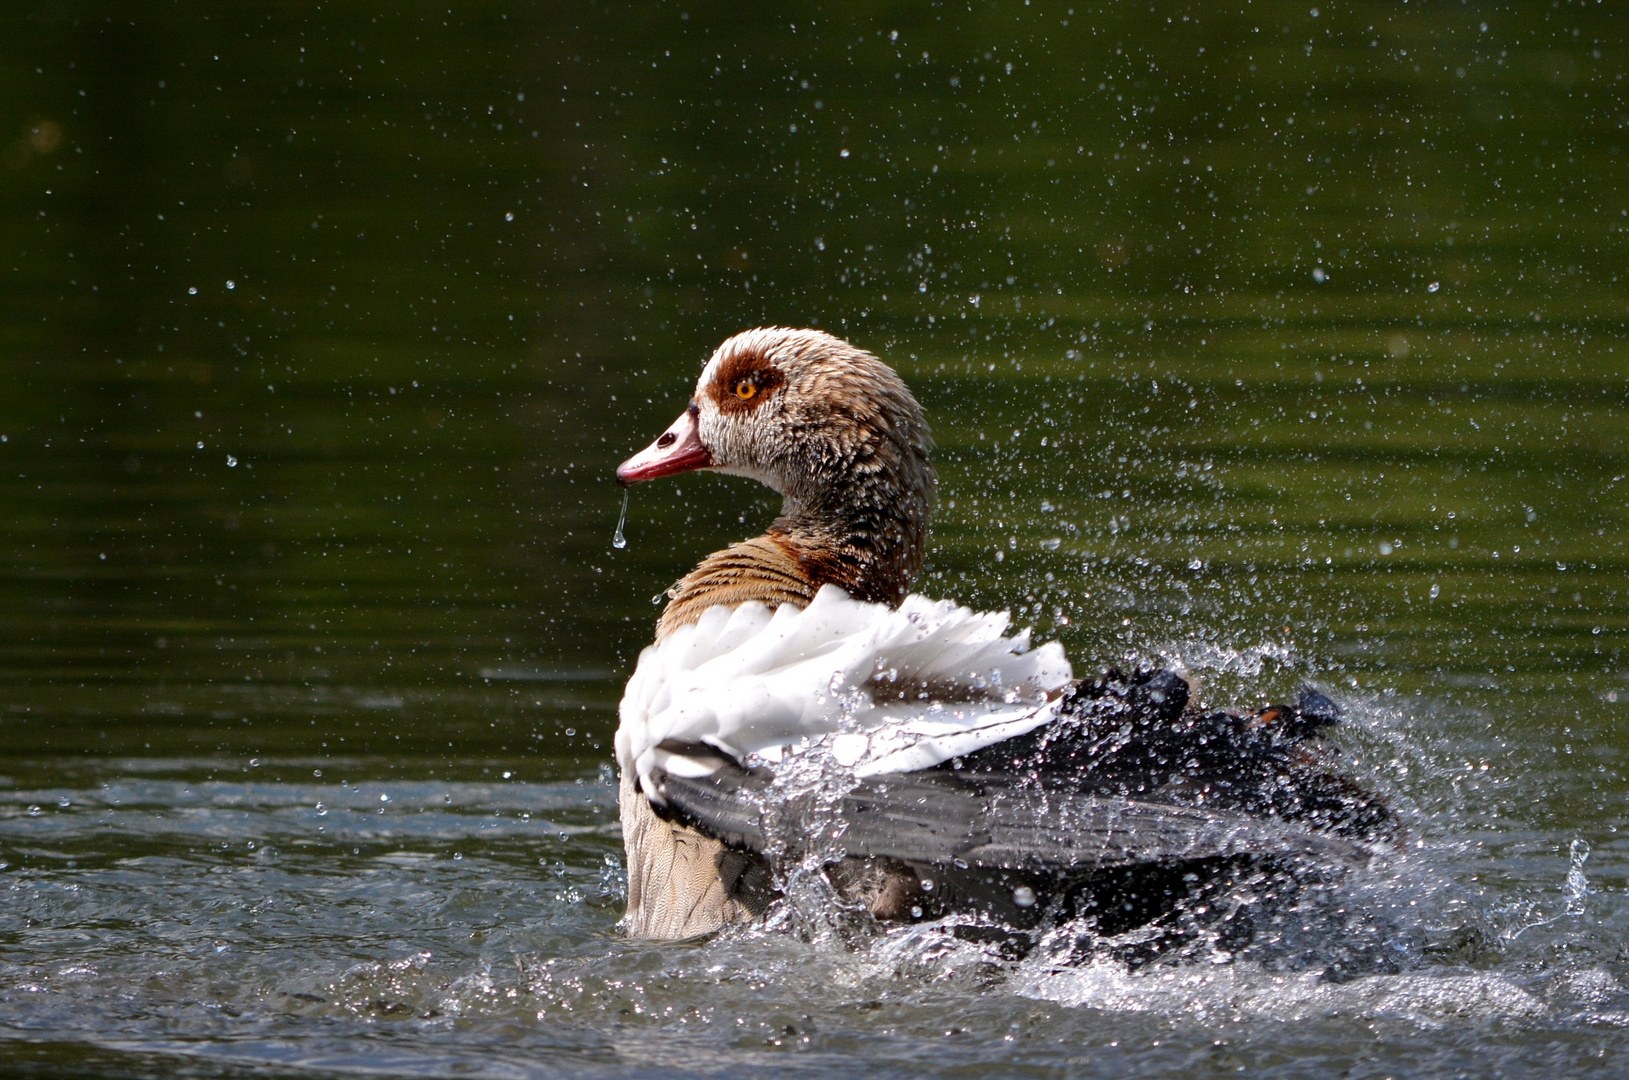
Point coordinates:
pixel 744 382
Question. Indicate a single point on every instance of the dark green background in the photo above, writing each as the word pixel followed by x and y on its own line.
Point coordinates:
pixel 450 268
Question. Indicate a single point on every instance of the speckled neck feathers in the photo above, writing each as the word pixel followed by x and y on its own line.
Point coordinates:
pixel 838 434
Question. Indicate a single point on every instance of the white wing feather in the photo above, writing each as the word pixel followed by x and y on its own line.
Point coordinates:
pixel 882 689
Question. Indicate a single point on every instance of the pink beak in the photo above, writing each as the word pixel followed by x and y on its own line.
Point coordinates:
pixel 678 450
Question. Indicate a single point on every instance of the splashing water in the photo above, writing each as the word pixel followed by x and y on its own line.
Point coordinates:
pixel 619 541
pixel 1577 889
pixel 803 830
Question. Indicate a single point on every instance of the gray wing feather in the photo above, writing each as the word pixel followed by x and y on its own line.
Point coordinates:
pixel 942 818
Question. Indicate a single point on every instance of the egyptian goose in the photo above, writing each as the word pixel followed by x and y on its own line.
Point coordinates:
pixel 973 772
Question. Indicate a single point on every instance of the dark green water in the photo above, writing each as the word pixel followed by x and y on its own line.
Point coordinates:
pixel 1286 341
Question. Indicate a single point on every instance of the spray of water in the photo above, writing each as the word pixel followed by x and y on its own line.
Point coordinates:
pixel 1575 891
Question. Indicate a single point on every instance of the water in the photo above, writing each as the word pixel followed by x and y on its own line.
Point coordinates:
pixel 1297 358
pixel 618 540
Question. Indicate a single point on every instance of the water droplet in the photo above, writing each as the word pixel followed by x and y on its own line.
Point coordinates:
pixel 231 462
pixel 231 284
pixel 1434 286
pixel 1319 275
pixel 1024 896
pixel 1577 888
pixel 1436 591
pixel 617 539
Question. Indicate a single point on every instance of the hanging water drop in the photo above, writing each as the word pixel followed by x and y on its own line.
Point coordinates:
pixel 617 539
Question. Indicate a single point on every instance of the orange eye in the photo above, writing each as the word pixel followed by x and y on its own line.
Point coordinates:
pixel 744 390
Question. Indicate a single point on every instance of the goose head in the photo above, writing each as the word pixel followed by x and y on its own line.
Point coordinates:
pixel 831 428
